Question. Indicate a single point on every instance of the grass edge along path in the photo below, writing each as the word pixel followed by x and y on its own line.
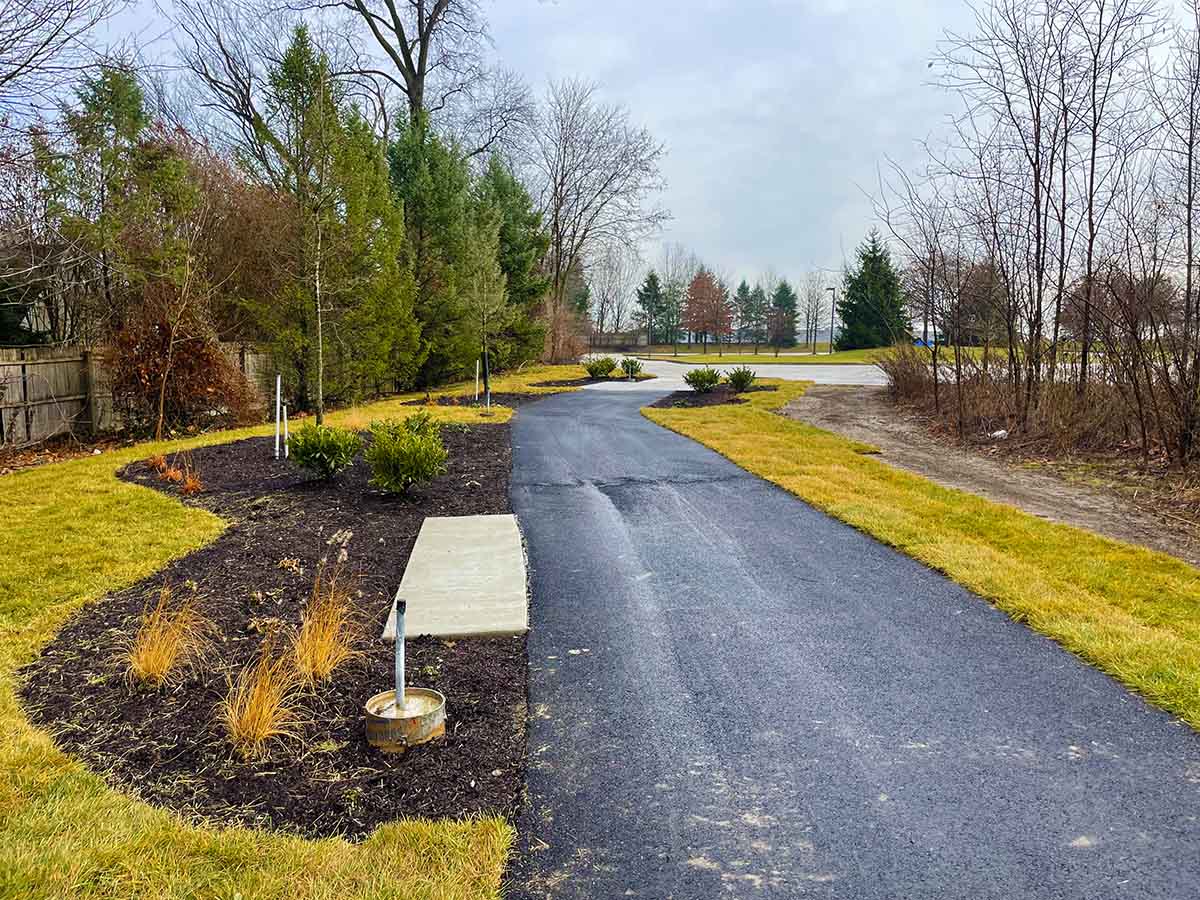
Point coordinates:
pixel 1132 612
pixel 75 533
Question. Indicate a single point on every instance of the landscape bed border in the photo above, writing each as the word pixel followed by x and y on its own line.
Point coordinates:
pixel 83 533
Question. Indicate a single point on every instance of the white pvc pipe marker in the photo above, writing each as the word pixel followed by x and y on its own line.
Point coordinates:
pixel 278 391
pixel 400 608
pixel 285 432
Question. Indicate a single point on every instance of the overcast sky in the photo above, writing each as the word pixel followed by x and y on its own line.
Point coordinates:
pixel 775 113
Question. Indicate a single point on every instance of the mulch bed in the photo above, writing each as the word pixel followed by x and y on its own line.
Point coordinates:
pixel 168 747
pixel 721 395
pixel 511 400
pixel 586 380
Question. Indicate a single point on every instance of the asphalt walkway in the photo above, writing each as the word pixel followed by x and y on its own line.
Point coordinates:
pixel 735 695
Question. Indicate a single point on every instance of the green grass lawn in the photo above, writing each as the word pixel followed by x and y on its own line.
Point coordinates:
pixel 1130 611
pixel 74 533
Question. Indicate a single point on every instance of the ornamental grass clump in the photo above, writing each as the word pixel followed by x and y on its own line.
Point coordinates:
pixel 170 638
pixel 740 379
pixel 600 367
pixel 328 629
pixel 703 380
pixel 404 454
pixel 261 705
pixel 323 449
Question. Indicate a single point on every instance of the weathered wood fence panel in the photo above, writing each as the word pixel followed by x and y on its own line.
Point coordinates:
pixel 49 391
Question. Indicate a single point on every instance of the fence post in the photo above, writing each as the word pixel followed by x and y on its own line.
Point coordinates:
pixel 25 400
pixel 91 388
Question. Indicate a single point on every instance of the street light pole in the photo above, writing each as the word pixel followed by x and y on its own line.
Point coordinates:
pixel 832 309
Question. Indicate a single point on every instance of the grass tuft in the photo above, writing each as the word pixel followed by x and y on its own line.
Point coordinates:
pixel 328 630
pixel 261 705
pixel 168 640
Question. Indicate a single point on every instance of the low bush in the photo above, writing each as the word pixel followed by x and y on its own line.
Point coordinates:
pixel 170 637
pixel 323 449
pixel 328 630
pixel 401 457
pixel 702 381
pixel 423 422
pixel 600 367
pixel 262 702
pixel 631 367
pixel 740 379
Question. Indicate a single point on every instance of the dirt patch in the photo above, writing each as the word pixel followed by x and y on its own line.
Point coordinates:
pixel 867 414
pixel 168 746
pixel 721 395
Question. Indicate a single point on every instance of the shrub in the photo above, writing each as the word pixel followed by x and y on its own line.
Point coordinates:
pixel 323 449
pixel 400 457
pixel 261 703
pixel 601 367
pixel 327 627
pixel 204 386
pixel 740 379
pixel 167 640
pixel 423 422
pixel 631 366
pixel 702 381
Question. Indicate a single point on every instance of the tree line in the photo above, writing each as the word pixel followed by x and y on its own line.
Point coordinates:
pixel 362 196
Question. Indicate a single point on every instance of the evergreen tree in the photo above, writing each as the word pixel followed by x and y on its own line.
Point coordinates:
pixel 344 321
pixel 522 244
pixel 784 303
pixel 871 307
pixel 651 307
pixel 433 181
pixel 743 303
pixel 760 308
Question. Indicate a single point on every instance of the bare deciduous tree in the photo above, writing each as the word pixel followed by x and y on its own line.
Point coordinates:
pixel 596 175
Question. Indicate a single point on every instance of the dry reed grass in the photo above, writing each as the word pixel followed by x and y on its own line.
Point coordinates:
pixel 169 638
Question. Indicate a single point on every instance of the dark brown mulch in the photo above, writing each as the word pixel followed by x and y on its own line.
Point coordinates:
pixel 721 395
pixel 168 746
pixel 511 400
pixel 585 380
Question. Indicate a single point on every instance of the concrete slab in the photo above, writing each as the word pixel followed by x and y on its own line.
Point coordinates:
pixel 465 578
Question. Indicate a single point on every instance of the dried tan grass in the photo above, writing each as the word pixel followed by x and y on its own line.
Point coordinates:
pixel 168 640
pixel 262 702
pixel 328 627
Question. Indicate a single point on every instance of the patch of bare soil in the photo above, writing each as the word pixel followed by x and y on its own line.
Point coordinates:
pixel 867 414
pixel 169 746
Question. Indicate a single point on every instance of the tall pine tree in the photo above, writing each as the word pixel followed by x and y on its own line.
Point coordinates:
pixel 783 305
pixel 871 308
pixel 650 312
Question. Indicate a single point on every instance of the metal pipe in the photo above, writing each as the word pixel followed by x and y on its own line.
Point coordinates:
pixel 400 608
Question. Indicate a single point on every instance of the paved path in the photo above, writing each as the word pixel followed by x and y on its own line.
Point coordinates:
pixel 670 374
pixel 734 695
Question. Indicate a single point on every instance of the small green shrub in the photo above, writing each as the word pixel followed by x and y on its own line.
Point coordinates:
pixel 702 381
pixel 323 449
pixel 423 423
pixel 405 453
pixel 740 379
pixel 631 366
pixel 601 367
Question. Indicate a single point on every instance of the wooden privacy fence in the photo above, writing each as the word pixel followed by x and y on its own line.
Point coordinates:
pixel 49 391
pixel 46 391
